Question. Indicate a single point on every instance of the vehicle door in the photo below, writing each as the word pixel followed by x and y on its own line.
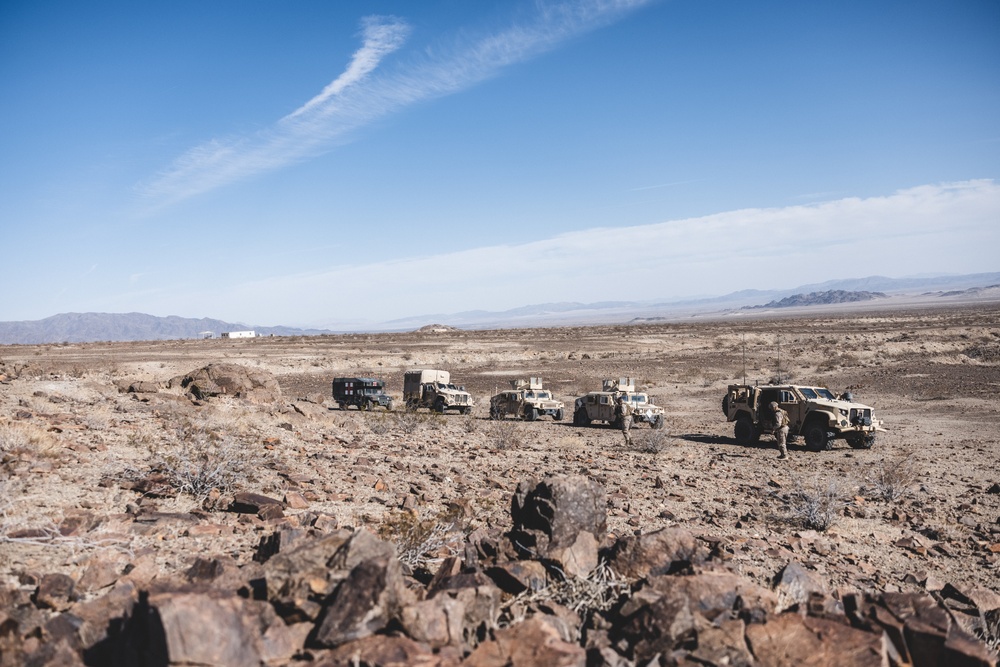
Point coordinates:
pixel 795 408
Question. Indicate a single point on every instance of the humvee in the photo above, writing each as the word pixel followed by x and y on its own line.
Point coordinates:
pixel 526 399
pixel 600 405
pixel 365 393
pixel 433 389
pixel 814 413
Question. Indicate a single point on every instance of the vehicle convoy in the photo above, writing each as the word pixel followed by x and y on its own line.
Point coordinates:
pixel 433 389
pixel 600 405
pixel 365 393
pixel 526 399
pixel 814 413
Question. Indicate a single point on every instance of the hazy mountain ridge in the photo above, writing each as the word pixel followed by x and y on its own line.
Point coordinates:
pixel 820 298
pixel 89 327
pixel 86 327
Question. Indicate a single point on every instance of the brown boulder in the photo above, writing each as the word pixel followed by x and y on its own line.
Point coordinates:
pixel 663 551
pixel 531 643
pixel 364 603
pixel 562 519
pixel 225 379
pixel 789 640
pixel 381 651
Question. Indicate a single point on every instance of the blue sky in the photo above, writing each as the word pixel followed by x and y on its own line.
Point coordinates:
pixel 331 163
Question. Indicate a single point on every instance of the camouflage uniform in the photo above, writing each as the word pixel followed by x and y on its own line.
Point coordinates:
pixel 779 426
pixel 623 410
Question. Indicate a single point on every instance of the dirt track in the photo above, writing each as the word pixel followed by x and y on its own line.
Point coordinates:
pixel 931 375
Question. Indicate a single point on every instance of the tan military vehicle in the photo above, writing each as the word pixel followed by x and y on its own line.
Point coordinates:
pixel 600 405
pixel 433 389
pixel 526 399
pixel 814 413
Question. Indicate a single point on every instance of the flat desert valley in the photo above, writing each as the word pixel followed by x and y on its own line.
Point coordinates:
pixel 105 473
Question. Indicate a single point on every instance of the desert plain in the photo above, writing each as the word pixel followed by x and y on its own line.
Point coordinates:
pixel 918 512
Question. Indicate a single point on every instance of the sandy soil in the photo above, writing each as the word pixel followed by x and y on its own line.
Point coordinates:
pixel 70 439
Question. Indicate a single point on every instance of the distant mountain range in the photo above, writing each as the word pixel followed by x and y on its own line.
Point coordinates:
pixel 86 327
pixel 820 298
pixel 89 327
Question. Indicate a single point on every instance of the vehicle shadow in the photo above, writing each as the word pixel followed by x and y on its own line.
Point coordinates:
pixel 765 442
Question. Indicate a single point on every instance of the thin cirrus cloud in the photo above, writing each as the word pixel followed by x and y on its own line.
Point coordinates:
pixel 360 96
pixel 925 228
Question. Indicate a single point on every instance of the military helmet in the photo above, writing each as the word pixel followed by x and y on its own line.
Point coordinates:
pixel 774 405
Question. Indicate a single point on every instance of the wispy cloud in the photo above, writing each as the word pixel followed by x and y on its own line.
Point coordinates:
pixel 932 228
pixel 360 96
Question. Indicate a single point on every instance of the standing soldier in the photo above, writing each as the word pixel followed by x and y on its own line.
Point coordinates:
pixel 778 424
pixel 623 412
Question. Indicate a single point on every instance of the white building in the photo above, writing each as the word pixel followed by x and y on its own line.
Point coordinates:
pixel 239 334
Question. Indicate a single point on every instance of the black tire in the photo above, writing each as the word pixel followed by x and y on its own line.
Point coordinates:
pixel 725 405
pixel 817 438
pixel 744 431
pixel 341 405
pixel 580 417
pixel 494 413
pixel 439 406
pixel 367 406
pixel 558 416
pixel 531 414
pixel 658 422
pixel 466 410
pixel 866 441
pixel 388 406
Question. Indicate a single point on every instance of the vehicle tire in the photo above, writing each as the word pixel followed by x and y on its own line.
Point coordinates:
pixel 466 410
pixel 744 431
pixel 341 405
pixel 658 422
pixel 580 417
pixel 558 416
pixel 494 413
pixel 388 406
pixel 531 414
pixel 861 441
pixel 367 406
pixel 410 406
pixel 817 438
pixel 725 405
pixel 439 406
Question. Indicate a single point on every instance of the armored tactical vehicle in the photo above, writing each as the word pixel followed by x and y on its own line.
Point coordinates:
pixel 814 413
pixel 433 389
pixel 526 399
pixel 365 393
pixel 600 405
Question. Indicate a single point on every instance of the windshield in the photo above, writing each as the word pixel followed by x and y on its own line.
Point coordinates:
pixel 538 394
pixel 825 393
pixel 638 399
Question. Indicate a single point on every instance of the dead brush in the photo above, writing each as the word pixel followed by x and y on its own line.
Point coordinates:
pixel 503 434
pixel 816 505
pixel 419 542
pixel 597 592
pixel 892 477
pixel 196 460
pixel 651 441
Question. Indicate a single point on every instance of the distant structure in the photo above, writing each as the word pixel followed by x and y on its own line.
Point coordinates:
pixel 239 334
pixel 206 334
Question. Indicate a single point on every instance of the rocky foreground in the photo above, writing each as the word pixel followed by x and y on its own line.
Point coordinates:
pixel 549 591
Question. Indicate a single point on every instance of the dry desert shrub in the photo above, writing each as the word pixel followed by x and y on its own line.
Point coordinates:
pixel 503 434
pixel 892 477
pixel 597 592
pixel 650 440
pixel 197 459
pixel 420 543
pixel 816 504
pixel 27 439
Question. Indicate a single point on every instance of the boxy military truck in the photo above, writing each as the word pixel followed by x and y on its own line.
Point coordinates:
pixel 433 389
pixel 600 405
pixel 814 413
pixel 526 399
pixel 365 393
